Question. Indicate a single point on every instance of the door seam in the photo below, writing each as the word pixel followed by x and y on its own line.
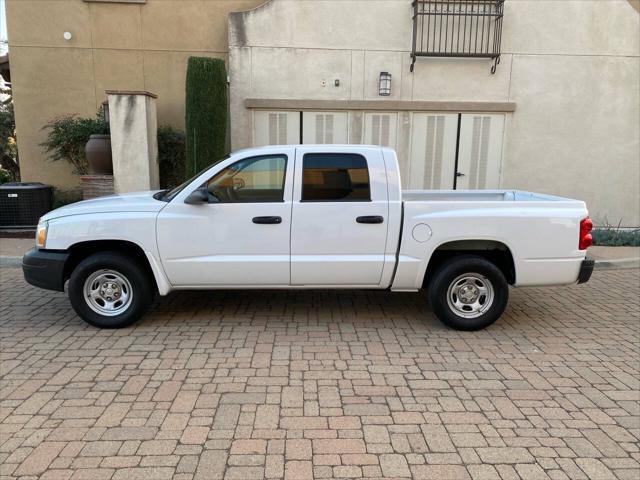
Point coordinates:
pixel 455 165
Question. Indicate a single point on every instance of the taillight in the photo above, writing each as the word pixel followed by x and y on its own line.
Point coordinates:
pixel 585 241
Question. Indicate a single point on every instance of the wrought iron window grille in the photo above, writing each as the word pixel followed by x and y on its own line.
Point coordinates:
pixel 457 28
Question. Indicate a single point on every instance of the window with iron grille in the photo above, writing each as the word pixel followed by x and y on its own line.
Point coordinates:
pixel 457 28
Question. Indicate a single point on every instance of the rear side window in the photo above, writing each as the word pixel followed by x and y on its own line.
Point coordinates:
pixel 335 177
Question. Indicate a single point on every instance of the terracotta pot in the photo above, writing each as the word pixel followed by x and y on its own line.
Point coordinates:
pixel 98 152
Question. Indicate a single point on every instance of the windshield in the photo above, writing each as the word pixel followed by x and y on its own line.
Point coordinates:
pixel 168 195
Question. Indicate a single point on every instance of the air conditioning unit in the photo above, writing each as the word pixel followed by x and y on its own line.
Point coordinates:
pixel 22 204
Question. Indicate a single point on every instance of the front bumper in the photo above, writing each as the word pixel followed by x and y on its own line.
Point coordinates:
pixel 45 268
pixel 586 269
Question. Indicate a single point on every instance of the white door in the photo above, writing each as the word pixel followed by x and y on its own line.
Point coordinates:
pixel 480 151
pixel 432 161
pixel 276 128
pixel 380 129
pixel 239 238
pixel 340 218
pixel 325 127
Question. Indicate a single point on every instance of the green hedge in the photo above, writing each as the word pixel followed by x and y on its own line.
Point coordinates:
pixel 206 112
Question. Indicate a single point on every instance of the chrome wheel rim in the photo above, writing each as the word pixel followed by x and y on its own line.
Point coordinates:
pixel 470 295
pixel 108 292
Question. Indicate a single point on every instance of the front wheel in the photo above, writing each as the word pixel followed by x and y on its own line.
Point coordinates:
pixel 468 293
pixel 110 290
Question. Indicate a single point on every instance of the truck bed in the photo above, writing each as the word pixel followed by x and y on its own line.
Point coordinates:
pixel 540 232
pixel 479 196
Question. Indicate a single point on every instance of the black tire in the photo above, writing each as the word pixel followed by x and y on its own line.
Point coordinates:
pixel 488 278
pixel 137 287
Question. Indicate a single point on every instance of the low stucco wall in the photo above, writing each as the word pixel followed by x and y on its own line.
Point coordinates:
pixel 571 68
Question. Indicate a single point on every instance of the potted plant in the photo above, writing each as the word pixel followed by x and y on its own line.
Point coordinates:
pixel 82 142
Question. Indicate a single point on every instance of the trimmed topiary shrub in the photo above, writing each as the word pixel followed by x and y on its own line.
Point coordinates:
pixel 171 157
pixel 206 112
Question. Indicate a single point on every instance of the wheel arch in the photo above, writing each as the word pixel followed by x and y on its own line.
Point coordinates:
pixel 494 251
pixel 81 250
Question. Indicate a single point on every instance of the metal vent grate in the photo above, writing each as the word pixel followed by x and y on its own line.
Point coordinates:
pixel 324 128
pixel 381 127
pixel 277 128
pixel 479 152
pixel 457 28
pixel 434 152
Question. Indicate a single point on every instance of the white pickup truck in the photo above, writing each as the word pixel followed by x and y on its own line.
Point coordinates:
pixel 321 216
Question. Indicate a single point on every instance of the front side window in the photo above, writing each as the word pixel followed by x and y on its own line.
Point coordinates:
pixel 250 180
pixel 335 177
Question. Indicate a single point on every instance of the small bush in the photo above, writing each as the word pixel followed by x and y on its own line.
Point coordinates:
pixel 65 197
pixel 206 112
pixel 616 237
pixel 171 157
pixel 5 176
pixel 67 137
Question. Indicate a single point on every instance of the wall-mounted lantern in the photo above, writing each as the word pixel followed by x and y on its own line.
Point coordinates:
pixel 384 84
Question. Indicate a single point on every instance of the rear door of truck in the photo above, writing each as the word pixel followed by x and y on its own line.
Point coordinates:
pixel 339 216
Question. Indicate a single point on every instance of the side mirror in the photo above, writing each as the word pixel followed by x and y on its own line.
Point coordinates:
pixel 198 196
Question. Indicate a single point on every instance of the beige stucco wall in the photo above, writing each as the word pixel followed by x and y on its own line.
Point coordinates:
pixel 116 46
pixel 571 67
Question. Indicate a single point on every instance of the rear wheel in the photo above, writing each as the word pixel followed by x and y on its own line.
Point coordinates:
pixel 110 290
pixel 468 293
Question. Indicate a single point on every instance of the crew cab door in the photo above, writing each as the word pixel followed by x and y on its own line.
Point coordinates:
pixel 239 238
pixel 340 217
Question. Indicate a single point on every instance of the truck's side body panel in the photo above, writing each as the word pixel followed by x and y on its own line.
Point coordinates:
pixel 321 243
pixel 328 246
pixel 219 245
pixel 137 227
pixel 541 236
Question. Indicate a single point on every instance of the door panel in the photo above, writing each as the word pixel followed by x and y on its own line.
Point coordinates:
pixel 480 153
pixel 225 244
pixel 275 128
pixel 433 151
pixel 325 127
pixel 328 245
pixel 380 129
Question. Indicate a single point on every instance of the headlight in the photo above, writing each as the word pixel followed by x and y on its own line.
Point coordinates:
pixel 41 234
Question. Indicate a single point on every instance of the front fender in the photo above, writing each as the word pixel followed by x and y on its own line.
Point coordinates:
pixel 138 228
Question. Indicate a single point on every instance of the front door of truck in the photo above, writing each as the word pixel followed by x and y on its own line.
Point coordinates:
pixel 241 236
pixel 340 217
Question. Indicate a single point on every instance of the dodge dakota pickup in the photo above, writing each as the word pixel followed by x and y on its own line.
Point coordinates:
pixel 309 216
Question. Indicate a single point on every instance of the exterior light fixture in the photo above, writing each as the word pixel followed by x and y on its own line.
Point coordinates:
pixel 384 84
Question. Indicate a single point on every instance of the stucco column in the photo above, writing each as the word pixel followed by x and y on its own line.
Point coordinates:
pixel 134 141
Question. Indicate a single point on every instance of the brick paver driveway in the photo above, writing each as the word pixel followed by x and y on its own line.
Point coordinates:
pixel 244 385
